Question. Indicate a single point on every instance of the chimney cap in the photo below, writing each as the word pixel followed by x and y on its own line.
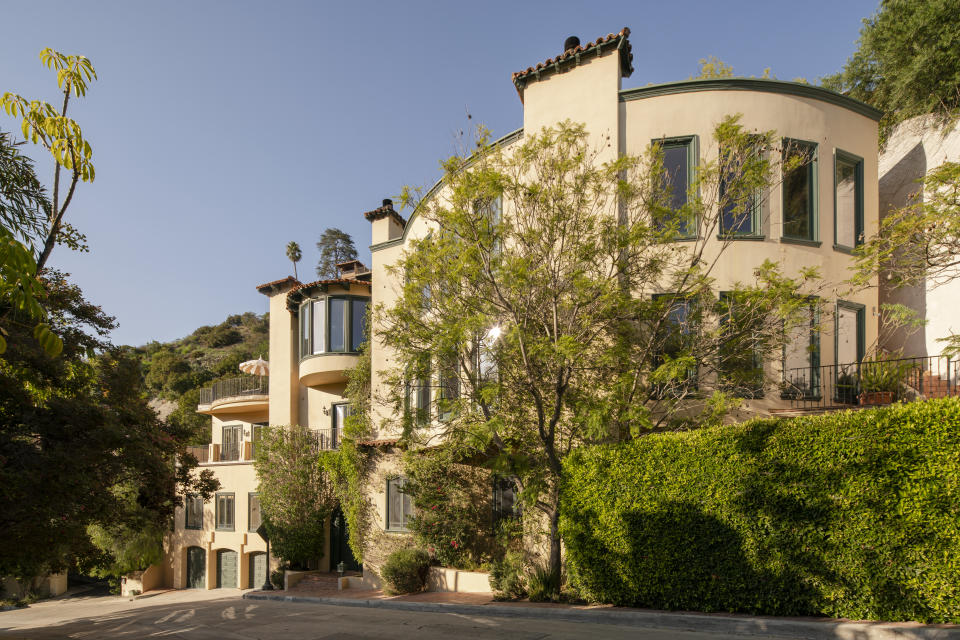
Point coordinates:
pixel 387 202
pixel 571 43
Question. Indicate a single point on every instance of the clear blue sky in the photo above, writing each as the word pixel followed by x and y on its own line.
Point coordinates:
pixel 223 130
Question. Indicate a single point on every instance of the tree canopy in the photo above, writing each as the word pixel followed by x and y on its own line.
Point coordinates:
pixel 551 307
pixel 907 62
pixel 335 246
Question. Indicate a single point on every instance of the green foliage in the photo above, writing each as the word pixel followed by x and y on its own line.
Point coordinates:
pixel 452 500
pixel 545 257
pixel 850 514
pixel 543 585
pixel 87 467
pixel 350 466
pixel 883 373
pixel 296 493
pixel 507 577
pixel 712 67
pixel 907 62
pixel 335 246
pixel 405 571
pixel 293 255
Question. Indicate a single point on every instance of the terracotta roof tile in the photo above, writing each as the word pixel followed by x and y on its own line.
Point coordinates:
pixel 619 40
pixel 386 210
pixel 268 285
pixel 315 283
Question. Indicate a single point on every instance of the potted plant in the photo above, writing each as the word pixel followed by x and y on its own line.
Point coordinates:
pixel 847 388
pixel 880 380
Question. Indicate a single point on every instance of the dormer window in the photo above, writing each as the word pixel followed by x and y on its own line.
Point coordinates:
pixel 332 324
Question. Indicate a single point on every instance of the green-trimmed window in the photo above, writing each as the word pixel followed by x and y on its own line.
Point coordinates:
pixel 850 331
pixel 256 435
pixel 740 364
pixel 675 338
pixel 254 515
pixel 193 512
pixel 801 356
pixel 332 324
pixel 679 163
pixel 740 209
pixel 800 190
pixel 225 511
pixel 399 505
pixel 847 200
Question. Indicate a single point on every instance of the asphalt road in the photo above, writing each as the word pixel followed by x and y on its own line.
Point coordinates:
pixel 224 615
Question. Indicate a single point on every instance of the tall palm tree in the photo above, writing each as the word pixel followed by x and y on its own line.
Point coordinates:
pixel 294 254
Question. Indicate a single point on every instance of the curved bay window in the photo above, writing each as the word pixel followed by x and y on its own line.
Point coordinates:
pixel 332 324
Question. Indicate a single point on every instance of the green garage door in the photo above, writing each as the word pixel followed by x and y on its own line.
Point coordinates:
pixel 226 569
pixel 196 568
pixel 258 570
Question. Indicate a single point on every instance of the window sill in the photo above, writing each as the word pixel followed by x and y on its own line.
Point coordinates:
pixel 745 236
pixel 230 530
pixel 801 241
pixel 843 249
pixel 397 531
pixel 193 528
pixel 329 353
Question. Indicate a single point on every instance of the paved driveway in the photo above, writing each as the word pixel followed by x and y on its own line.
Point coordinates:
pixel 224 615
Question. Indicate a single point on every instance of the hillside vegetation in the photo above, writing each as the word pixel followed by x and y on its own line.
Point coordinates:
pixel 174 372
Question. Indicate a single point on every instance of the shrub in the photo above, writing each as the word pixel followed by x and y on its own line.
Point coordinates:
pixel 276 578
pixel 405 571
pixel 850 514
pixel 506 577
pixel 543 585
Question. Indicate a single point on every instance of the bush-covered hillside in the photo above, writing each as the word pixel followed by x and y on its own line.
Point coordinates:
pixel 176 371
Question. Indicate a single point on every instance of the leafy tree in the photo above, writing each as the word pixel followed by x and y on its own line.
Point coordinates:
pixel 296 493
pixel 79 446
pixel 712 67
pixel 293 255
pixel 23 207
pixel 335 246
pixel 908 60
pixel 569 315
pixel 918 244
pixel 43 123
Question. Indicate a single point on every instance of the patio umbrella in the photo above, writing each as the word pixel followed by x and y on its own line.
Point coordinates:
pixel 258 367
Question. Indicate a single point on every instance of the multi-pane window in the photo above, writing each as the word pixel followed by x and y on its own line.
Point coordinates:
pixel 418 392
pixel 225 504
pixel 848 200
pixel 679 158
pixel 740 206
pixel 339 417
pixel 801 355
pixel 254 518
pixel 740 362
pixel 399 505
pixel 256 435
pixel 505 503
pixel 449 389
pixel 332 325
pixel 193 512
pixel 675 338
pixel 799 190
pixel 230 445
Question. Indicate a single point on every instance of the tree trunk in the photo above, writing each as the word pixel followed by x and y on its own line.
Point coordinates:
pixel 555 564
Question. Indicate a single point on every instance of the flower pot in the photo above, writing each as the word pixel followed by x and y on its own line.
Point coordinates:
pixel 876 397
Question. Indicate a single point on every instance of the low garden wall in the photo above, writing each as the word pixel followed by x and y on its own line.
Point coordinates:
pixel 853 514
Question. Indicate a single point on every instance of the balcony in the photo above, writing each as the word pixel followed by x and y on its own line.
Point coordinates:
pixel 236 395
pixel 871 383
pixel 325 368
pixel 326 439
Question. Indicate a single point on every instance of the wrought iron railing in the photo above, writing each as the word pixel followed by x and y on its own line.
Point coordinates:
pixel 235 387
pixel 871 382
pixel 327 439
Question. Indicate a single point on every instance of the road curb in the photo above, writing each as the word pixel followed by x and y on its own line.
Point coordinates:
pixel 742 625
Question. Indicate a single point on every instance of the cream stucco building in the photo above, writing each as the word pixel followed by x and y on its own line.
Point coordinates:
pixel 814 218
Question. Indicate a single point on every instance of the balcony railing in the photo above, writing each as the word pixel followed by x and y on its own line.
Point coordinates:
pixel 325 439
pixel 235 388
pixel 871 382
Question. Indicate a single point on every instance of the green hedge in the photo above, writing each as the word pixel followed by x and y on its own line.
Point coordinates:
pixel 853 514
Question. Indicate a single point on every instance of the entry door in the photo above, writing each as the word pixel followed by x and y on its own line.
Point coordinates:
pixel 340 543
pixel 226 569
pixel 258 570
pixel 196 568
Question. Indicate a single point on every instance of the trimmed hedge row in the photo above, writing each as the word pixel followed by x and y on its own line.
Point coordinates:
pixel 853 514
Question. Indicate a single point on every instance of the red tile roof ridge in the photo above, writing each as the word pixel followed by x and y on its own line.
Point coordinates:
pixel 307 285
pixel 386 210
pixel 579 49
pixel 274 283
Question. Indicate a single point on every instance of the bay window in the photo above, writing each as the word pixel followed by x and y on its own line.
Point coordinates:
pixel 332 324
